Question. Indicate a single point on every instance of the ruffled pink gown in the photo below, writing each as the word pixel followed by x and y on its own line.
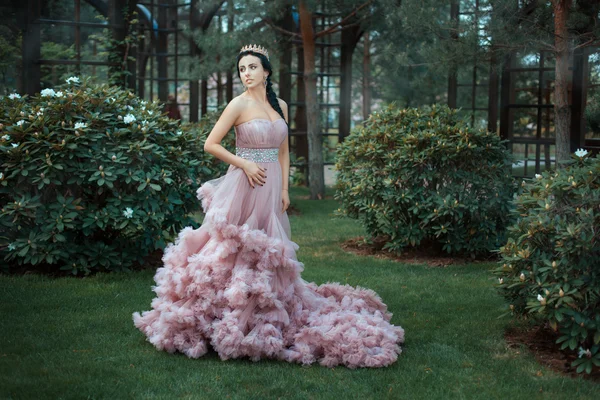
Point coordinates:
pixel 235 283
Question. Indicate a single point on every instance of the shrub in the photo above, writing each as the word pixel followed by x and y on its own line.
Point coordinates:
pixel 551 262
pixel 422 177
pixel 93 178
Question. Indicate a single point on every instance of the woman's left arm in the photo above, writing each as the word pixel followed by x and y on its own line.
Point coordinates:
pixel 284 160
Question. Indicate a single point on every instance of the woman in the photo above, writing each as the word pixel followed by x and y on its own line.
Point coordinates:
pixel 234 283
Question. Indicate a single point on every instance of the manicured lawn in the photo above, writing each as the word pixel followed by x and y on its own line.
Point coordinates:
pixel 73 338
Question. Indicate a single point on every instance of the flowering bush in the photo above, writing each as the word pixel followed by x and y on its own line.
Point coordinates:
pixel 94 178
pixel 422 177
pixel 551 262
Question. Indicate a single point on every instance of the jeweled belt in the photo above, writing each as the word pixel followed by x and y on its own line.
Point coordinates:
pixel 258 155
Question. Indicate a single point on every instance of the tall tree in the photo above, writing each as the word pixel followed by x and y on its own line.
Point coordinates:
pixel 562 111
pixel 316 177
pixel 366 76
pixel 352 16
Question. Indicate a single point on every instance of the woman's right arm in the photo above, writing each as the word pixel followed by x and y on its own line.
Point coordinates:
pixel 255 173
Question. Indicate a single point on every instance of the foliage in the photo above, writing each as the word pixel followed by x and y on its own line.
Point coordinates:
pixel 298 170
pixel 119 50
pixel 423 177
pixel 94 178
pixel 551 261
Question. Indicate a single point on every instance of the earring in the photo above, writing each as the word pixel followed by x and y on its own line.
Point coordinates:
pixel 265 82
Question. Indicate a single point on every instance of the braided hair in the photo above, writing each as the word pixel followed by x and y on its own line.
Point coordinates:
pixel 271 96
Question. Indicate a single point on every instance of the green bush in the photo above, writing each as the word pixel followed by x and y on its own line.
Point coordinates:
pixel 551 262
pixel 422 177
pixel 94 178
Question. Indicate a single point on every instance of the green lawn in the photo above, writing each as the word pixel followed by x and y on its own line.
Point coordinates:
pixel 74 338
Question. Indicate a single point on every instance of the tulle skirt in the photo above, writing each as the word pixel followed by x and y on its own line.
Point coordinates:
pixel 234 284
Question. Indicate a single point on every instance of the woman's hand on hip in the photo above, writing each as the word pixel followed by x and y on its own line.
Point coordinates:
pixel 255 173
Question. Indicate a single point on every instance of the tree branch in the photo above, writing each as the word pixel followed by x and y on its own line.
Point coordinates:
pixel 269 22
pixel 346 26
pixel 591 42
pixel 331 29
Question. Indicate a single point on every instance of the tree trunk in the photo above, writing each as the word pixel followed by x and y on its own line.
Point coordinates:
pixel 562 112
pixel 316 179
pixel 350 37
pixel 452 68
pixel 300 116
pixel 219 88
pixel 162 48
pixel 204 96
pixel 230 29
pixel 366 86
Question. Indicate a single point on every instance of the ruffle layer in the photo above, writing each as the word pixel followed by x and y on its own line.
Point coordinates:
pixel 239 289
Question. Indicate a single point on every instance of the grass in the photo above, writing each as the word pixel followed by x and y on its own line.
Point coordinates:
pixel 73 338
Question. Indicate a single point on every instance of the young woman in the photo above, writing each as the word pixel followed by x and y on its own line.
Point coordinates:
pixel 234 283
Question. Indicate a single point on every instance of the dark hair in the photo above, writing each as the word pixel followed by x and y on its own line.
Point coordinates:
pixel 271 96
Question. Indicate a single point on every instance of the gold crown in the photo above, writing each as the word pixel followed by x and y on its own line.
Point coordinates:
pixel 256 49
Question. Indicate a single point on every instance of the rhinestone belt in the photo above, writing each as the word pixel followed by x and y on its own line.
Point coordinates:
pixel 258 155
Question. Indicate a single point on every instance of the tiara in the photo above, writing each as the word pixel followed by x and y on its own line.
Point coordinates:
pixel 256 49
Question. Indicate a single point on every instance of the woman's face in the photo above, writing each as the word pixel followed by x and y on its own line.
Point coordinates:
pixel 251 71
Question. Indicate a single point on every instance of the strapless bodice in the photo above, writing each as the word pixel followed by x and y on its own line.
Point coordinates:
pixel 260 133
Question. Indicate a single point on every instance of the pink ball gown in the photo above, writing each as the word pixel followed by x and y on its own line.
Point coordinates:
pixel 235 283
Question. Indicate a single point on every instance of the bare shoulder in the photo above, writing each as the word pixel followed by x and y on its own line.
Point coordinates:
pixel 233 110
pixel 238 102
pixel 235 106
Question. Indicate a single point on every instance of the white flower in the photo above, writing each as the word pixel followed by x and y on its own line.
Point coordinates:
pixel 48 93
pixel 144 102
pixel 581 153
pixel 73 79
pixel 522 277
pixel 150 112
pixel 39 113
pixel 13 96
pixel 585 352
pixel 538 176
pixel 14 145
pixel 500 281
pixel 80 125
pixel 540 297
pixel 6 137
pixel 1 175
pixel 128 212
pixel 21 122
pixel 179 132
pixel 129 118
pixel 144 122
pixel 59 94
pixel 11 247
